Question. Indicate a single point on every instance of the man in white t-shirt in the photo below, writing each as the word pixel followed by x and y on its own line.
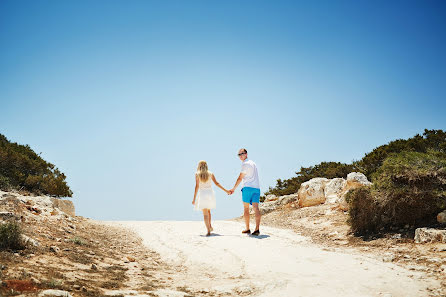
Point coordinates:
pixel 250 190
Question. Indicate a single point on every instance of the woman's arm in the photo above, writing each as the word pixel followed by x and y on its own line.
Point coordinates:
pixel 218 185
pixel 196 188
pixel 239 180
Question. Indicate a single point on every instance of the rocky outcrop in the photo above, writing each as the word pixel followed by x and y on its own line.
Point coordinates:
pixel 272 202
pixel 64 205
pixel 317 191
pixel 426 235
pixel 312 192
pixel 322 190
pixel 16 206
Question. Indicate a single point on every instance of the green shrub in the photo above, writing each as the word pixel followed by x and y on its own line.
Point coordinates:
pixel 11 236
pixel 4 183
pixel 408 189
pixel 78 241
pixel 22 168
pixel 431 140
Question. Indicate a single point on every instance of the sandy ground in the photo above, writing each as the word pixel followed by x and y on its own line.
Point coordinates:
pixel 280 262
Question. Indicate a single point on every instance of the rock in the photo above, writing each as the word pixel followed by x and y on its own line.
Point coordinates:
pixel 312 192
pixel 270 198
pixel 396 236
pixel 441 217
pixel 64 205
pixel 168 293
pixel 333 189
pixel 358 178
pixel 244 290
pixel 131 259
pixel 6 215
pixel 425 235
pixel 29 241
pixel 94 267
pixel 355 180
pixel 388 257
pixel 273 203
pixel 54 249
pixel 54 293
pixel 76 287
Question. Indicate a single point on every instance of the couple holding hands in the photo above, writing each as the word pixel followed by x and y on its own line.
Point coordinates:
pixel 204 196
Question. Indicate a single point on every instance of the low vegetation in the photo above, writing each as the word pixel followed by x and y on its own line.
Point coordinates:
pixel 408 190
pixel 11 236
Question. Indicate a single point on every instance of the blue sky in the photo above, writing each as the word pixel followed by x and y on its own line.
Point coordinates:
pixel 125 97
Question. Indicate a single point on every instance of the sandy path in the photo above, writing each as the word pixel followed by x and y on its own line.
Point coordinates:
pixel 277 263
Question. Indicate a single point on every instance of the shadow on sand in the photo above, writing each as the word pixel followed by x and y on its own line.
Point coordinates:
pixel 212 235
pixel 252 236
pixel 259 236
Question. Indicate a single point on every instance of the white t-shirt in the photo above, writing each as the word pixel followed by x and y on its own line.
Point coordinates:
pixel 251 178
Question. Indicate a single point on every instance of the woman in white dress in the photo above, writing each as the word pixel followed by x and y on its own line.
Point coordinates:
pixel 204 196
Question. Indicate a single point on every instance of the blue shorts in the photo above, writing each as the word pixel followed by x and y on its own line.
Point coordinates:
pixel 250 195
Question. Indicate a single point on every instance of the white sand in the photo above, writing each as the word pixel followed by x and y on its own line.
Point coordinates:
pixel 277 263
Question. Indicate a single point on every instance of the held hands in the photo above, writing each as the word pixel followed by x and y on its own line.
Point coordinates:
pixel 229 192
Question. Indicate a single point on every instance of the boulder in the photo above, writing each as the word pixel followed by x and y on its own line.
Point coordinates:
pixel 312 192
pixel 29 241
pixel 333 189
pixel 441 217
pixel 54 293
pixel 356 180
pixel 426 235
pixel 64 205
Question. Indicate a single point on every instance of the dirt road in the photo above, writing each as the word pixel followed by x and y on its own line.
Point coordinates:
pixel 279 262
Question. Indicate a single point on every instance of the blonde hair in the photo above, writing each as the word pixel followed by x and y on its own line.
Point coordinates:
pixel 202 171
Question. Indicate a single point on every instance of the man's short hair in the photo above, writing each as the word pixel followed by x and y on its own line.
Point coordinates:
pixel 244 150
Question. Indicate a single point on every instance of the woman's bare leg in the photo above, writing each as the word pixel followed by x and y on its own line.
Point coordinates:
pixel 210 221
pixel 206 220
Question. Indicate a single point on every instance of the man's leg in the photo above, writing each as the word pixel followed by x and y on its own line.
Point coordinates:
pixel 246 214
pixel 257 212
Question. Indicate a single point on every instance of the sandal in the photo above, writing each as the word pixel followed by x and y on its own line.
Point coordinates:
pixel 246 232
pixel 256 233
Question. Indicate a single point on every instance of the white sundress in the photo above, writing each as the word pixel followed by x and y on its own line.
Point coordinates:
pixel 205 196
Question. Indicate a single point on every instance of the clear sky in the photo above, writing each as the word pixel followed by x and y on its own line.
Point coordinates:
pixel 125 97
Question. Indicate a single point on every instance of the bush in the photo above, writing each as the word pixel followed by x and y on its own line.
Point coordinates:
pixel 430 140
pixel 22 168
pixel 11 236
pixel 408 189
